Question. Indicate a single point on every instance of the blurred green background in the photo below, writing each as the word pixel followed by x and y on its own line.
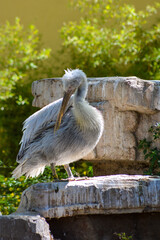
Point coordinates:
pixel 101 37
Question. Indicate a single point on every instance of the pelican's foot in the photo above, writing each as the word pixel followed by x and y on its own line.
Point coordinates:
pixel 71 178
pixel 77 178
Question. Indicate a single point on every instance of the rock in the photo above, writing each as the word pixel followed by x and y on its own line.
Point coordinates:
pixel 129 105
pixel 103 167
pixel 46 91
pixel 126 93
pixel 141 226
pixel 114 194
pixel 24 228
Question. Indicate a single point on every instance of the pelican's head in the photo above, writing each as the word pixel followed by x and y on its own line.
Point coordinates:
pixel 72 79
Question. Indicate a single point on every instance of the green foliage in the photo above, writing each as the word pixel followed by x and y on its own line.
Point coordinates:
pixel 11 189
pixel 123 236
pixel 21 56
pixel 152 153
pixel 113 39
pixel 13 112
pixel 20 52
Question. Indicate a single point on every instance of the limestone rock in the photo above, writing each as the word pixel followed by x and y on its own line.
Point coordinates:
pixel 115 194
pixel 129 105
pixel 24 227
pixel 126 93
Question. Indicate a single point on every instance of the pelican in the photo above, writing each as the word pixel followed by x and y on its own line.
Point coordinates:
pixel 62 132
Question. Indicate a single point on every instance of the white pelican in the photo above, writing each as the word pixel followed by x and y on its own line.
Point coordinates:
pixel 61 132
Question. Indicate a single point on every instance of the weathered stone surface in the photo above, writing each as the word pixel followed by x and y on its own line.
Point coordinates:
pixel 118 141
pixel 24 228
pixel 46 91
pixel 129 106
pixel 126 93
pixel 114 194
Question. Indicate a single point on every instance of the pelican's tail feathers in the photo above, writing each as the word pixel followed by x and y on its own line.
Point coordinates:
pixel 26 169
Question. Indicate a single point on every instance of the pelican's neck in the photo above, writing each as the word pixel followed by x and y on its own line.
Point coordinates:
pixel 85 115
pixel 81 92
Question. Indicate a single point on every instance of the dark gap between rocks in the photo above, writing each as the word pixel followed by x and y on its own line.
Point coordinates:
pixel 141 226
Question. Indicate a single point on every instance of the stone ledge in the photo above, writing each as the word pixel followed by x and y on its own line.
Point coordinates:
pixel 125 93
pixel 115 194
pixel 24 227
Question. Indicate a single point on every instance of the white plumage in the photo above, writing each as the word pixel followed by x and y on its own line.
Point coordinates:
pixel 62 132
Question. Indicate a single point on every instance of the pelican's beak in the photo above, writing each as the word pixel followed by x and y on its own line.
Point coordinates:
pixel 66 98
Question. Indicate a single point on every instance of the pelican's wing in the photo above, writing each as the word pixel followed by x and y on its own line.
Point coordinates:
pixel 37 122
